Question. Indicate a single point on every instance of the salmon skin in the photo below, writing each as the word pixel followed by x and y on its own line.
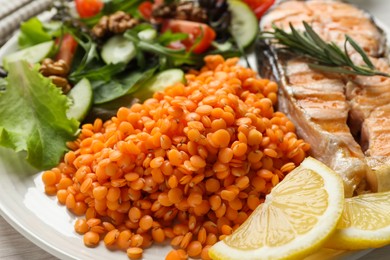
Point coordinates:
pixel 345 119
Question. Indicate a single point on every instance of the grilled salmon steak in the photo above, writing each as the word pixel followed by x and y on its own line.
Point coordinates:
pixel 346 119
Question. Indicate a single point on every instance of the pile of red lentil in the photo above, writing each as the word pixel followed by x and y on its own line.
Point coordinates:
pixel 188 165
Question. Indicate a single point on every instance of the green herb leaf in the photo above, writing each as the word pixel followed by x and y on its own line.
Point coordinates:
pixel 94 73
pixel 168 36
pixel 141 27
pixel 121 5
pixel 32 33
pixel 90 66
pixel 90 53
pixel 313 35
pixel 111 6
pixel 120 86
pixel 329 56
pixel 170 58
pixel 360 51
pixel 33 116
pixel 3 84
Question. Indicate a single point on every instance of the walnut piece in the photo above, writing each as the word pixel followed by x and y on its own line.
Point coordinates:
pixel 100 29
pixel 119 22
pixel 187 10
pixel 61 82
pixel 115 23
pixel 50 67
pixel 57 71
pixel 164 11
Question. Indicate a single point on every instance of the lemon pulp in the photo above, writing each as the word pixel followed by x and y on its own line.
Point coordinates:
pixel 365 223
pixel 295 220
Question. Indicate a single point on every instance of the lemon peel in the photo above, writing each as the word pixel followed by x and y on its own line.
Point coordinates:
pixel 296 219
pixel 365 223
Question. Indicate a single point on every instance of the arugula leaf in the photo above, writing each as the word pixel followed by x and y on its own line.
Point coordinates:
pixel 90 52
pixel 32 32
pixel 122 85
pixel 170 58
pixel 141 27
pixel 93 73
pixel 111 6
pixel 33 116
pixel 89 65
pixel 168 36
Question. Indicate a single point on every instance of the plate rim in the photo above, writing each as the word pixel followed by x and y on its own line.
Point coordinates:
pixel 57 251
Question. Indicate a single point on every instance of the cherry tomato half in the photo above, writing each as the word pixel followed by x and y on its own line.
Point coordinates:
pixel 88 8
pixel 259 7
pixel 200 35
pixel 145 9
pixel 67 49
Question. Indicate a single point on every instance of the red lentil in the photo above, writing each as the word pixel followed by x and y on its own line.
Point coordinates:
pixel 204 154
pixel 134 252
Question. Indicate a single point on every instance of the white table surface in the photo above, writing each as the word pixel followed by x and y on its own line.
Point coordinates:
pixel 14 246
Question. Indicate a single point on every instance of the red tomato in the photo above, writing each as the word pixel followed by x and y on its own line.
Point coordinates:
pixel 67 49
pixel 259 7
pixel 88 8
pixel 145 9
pixel 194 30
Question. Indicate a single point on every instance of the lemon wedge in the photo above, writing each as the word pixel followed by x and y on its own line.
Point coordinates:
pixel 364 223
pixel 295 220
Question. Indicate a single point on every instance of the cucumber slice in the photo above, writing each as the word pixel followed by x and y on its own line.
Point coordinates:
pixel 31 54
pixel 158 83
pixel 148 35
pixel 82 98
pixel 244 25
pixel 118 49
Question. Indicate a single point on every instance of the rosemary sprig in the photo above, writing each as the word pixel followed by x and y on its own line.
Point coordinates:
pixel 328 57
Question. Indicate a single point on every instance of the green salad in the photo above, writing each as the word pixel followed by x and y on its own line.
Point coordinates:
pixel 95 56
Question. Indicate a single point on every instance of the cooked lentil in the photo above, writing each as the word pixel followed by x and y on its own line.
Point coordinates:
pixel 189 164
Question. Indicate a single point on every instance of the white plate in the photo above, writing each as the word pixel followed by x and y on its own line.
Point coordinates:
pixel 50 226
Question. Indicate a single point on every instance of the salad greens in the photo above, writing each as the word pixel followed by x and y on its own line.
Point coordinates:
pixel 33 32
pixel 33 116
pixel 3 84
pixel 124 84
pixel 111 6
pixel 168 37
pixel 112 81
pixel 33 112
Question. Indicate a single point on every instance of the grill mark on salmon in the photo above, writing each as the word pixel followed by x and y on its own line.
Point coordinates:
pixel 369 120
pixel 320 105
pixel 376 140
pixel 367 94
pixel 376 132
pixel 320 115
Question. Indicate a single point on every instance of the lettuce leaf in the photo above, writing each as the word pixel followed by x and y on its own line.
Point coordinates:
pixel 3 84
pixel 32 33
pixel 33 116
